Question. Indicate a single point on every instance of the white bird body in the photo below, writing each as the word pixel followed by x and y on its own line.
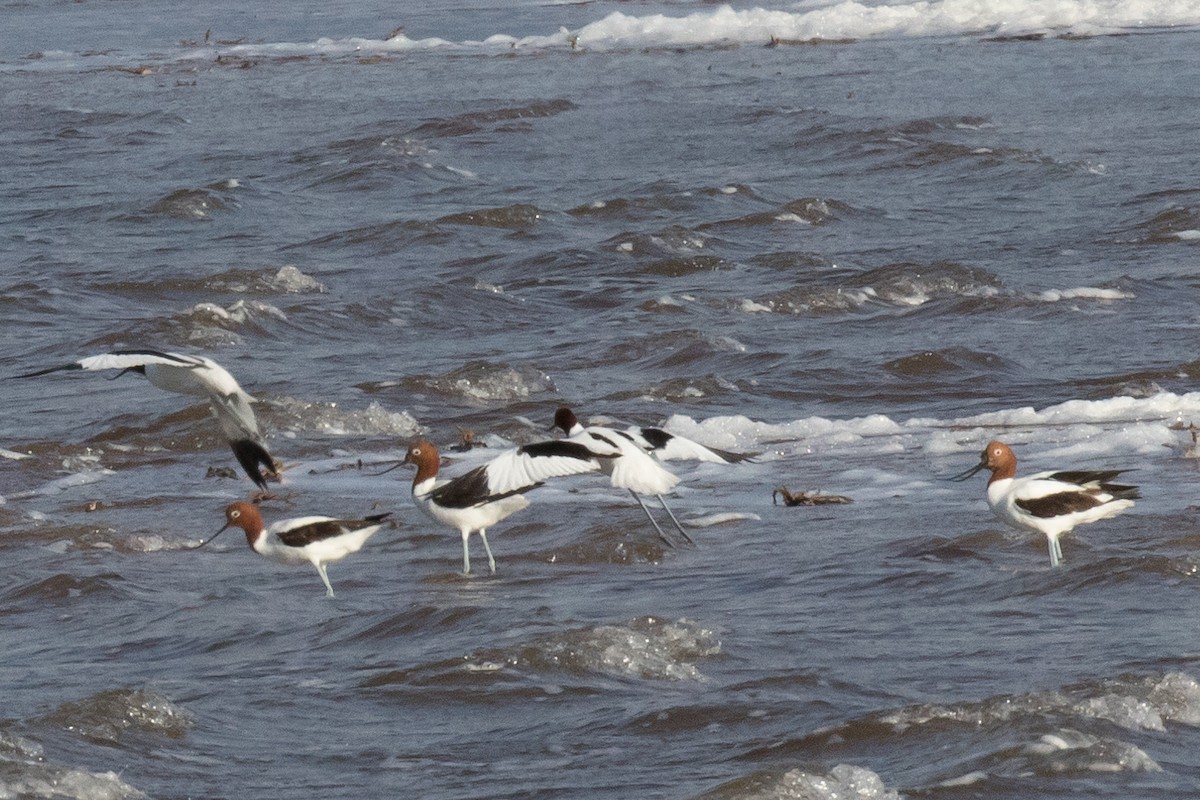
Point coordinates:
pixel 625 462
pixel 478 499
pixel 312 540
pixel 270 542
pixel 196 376
pixel 1051 503
pixel 671 447
pixel 172 372
pixel 470 518
pixel 1010 498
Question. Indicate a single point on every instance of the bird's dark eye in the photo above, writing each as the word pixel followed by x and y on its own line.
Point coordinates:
pixel 235 514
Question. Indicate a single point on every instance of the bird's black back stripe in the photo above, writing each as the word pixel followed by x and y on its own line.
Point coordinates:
pixel 656 437
pixel 327 529
pixel 1121 492
pixel 731 457
pixel 1100 480
pixel 470 490
pixel 601 437
pixel 181 361
pixel 1061 504
pixel 1084 477
pixel 558 447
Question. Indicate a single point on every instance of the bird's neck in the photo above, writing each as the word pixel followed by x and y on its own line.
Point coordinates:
pixel 423 485
pixel 1004 473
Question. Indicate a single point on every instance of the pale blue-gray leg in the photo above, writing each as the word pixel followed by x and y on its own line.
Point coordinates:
pixel 1058 548
pixel 671 514
pixel 1054 551
pixel 466 553
pixel 491 561
pixel 661 535
pixel 324 577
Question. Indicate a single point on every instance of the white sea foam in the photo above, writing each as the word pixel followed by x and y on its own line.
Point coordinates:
pixel 1072 751
pixel 789 216
pixel 1177 696
pixel 291 280
pixel 965 780
pixel 857 20
pixel 1074 428
pixel 151 543
pixel 915 291
pixel 209 324
pixel 484 286
pixel 108 715
pixel 66 483
pixel 1128 712
pixel 720 519
pixel 215 312
pixel 843 782
pixel 903 291
pixel 1147 703
pixel 646 648
pixel 726 344
pixel 488 383
pixel 740 433
pixel 1083 293
pixel 848 19
pixel 334 420
pixel 24 772
pixel 288 279
pixel 753 307
pixel 38 780
pixel 1134 703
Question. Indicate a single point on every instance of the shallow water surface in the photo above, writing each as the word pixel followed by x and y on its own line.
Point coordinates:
pixel 855 241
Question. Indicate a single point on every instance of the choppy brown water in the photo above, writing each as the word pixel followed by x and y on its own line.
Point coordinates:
pixel 859 260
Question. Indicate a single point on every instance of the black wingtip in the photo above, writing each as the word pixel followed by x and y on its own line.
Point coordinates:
pixel 659 439
pixel 563 448
pixel 1122 492
pixel 732 457
pixel 253 456
pixel 47 371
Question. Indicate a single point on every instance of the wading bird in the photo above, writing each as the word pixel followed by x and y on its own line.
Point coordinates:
pixel 200 377
pixel 1052 503
pixel 304 540
pixel 626 463
pixel 478 499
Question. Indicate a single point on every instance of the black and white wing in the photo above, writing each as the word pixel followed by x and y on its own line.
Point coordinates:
pixel 123 360
pixel 670 447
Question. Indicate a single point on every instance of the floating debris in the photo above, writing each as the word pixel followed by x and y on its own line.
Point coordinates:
pixel 806 499
pixel 777 41
pixel 467 441
pixel 1192 450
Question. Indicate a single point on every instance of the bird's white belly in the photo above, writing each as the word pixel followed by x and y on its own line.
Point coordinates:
pixel 281 553
pixel 181 380
pixel 475 517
